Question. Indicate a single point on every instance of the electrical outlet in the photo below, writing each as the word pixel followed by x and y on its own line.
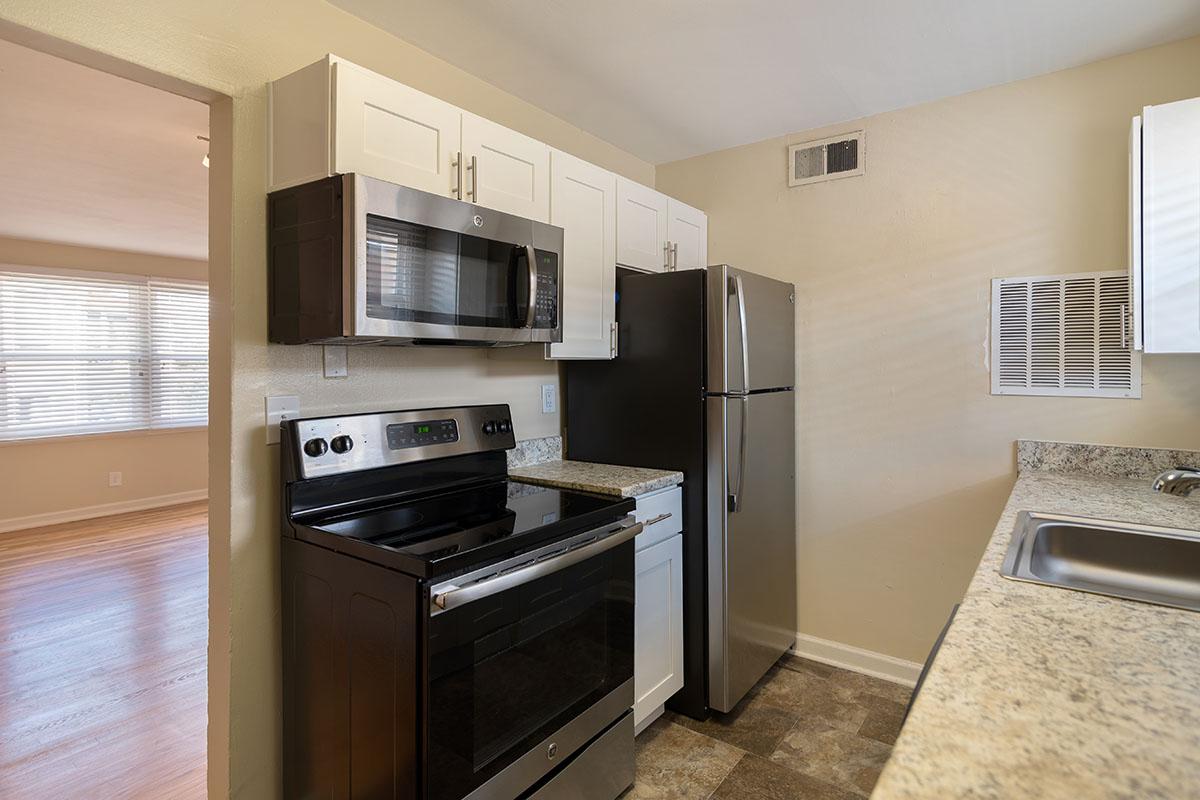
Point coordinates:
pixel 549 398
pixel 278 409
pixel 114 479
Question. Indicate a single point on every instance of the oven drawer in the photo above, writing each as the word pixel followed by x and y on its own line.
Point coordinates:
pixel 661 515
pixel 601 772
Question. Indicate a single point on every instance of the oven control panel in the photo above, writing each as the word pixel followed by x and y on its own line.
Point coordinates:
pixel 421 434
pixel 336 445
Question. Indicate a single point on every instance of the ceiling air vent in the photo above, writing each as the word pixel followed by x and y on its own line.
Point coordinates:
pixel 826 159
pixel 1065 335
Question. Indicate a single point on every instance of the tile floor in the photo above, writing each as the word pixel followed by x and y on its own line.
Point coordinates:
pixel 806 732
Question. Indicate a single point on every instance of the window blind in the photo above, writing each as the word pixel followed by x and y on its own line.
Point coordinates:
pixel 91 353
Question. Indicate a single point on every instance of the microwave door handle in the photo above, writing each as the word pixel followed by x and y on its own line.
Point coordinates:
pixel 531 264
pixel 456 596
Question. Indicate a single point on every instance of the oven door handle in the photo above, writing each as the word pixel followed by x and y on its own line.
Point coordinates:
pixel 457 596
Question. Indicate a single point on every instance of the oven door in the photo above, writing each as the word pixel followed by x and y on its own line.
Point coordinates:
pixel 431 268
pixel 528 664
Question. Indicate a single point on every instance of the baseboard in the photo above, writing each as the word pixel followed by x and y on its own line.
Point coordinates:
pixel 868 662
pixel 103 510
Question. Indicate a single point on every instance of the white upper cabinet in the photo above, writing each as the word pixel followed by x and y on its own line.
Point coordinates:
pixel 687 235
pixel 334 117
pixel 389 131
pixel 505 170
pixel 641 227
pixel 657 233
pixel 1165 222
pixel 583 202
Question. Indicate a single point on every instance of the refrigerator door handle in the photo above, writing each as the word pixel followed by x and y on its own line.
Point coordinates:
pixel 740 291
pixel 735 495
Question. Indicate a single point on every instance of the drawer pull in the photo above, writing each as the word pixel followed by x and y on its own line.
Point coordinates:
pixel 656 520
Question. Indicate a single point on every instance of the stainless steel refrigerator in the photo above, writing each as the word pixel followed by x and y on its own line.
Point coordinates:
pixel 703 383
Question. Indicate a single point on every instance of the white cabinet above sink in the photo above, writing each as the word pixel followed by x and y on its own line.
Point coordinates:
pixel 1164 240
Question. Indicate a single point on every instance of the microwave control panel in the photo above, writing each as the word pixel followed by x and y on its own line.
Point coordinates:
pixel 545 315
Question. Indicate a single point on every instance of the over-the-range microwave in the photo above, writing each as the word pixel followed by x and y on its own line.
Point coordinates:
pixel 355 260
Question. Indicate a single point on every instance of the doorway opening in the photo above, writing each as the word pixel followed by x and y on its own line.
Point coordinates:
pixel 104 398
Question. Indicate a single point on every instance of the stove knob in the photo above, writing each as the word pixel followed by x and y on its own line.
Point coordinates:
pixel 489 427
pixel 341 444
pixel 315 447
pixel 505 425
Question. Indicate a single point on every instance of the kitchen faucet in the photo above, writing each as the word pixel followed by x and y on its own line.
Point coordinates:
pixel 1180 480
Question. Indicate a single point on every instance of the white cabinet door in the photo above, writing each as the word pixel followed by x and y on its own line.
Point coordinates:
pixel 1171 227
pixel 658 626
pixel 583 202
pixel 505 170
pixel 687 231
pixel 389 131
pixel 641 227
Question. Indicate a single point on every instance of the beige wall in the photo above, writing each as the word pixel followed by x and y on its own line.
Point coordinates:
pixel 904 458
pixel 48 476
pixel 235 49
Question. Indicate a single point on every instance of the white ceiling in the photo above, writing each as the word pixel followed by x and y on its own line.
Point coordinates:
pixel 87 158
pixel 668 79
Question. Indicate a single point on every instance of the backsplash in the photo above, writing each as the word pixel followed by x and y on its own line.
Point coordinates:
pixel 535 451
pixel 1100 459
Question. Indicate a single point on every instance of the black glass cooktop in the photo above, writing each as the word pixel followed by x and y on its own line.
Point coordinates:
pixel 461 530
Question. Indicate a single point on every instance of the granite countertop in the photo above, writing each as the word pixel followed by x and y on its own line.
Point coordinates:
pixel 1050 693
pixel 585 476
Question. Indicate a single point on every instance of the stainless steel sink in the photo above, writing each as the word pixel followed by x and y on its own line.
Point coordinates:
pixel 1119 559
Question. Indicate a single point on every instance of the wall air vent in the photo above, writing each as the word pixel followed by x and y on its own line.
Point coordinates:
pixel 1066 335
pixel 826 159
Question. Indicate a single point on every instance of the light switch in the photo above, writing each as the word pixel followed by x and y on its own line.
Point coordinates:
pixel 335 361
pixel 278 409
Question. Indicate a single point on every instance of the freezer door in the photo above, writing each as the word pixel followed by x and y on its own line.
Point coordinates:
pixel 751 332
pixel 751 540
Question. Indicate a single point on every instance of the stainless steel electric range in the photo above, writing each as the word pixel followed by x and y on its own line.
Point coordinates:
pixel 447 633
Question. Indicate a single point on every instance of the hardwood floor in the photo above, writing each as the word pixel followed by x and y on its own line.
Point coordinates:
pixel 103 638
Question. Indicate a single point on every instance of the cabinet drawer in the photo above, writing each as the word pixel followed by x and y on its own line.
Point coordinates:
pixel 661 512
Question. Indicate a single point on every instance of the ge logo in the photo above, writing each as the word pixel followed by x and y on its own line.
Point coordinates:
pixel 478 221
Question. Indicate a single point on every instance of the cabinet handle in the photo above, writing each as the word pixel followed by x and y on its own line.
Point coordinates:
pixel 612 340
pixel 473 168
pixel 656 520
pixel 674 256
pixel 456 165
pixel 667 256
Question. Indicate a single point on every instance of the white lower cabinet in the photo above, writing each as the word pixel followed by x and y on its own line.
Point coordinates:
pixel 658 617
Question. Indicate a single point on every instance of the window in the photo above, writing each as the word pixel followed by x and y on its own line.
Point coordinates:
pixel 90 352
